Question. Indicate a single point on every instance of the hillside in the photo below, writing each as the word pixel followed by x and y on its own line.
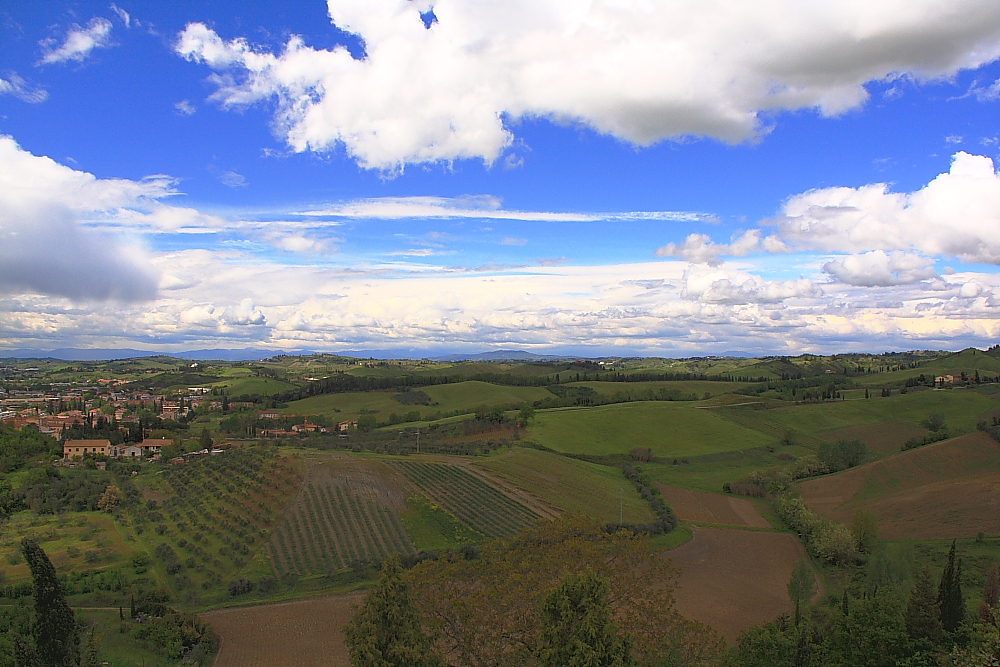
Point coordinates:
pixel 945 490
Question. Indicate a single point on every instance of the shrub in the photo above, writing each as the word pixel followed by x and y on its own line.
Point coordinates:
pixel 241 586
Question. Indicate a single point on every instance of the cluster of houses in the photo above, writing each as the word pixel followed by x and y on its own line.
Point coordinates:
pixel 148 448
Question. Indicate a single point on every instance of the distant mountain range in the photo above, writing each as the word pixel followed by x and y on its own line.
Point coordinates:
pixel 253 354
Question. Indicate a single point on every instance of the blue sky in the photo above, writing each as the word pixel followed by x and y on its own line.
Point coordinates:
pixel 597 178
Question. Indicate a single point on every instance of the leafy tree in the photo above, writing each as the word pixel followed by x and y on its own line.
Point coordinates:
pixel 526 414
pixel 801 587
pixel 775 644
pixel 386 631
pixel 205 440
pixel 54 629
pixel 873 635
pixel 923 615
pixel 864 529
pixel 90 655
pixel 950 600
pixel 577 630
pixel 367 422
pixel 25 654
pixel 487 611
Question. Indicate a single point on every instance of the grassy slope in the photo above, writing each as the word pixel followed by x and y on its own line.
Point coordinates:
pixel 669 428
pixel 569 484
pixel 465 396
pixel 253 385
pixel 698 387
pixel 961 411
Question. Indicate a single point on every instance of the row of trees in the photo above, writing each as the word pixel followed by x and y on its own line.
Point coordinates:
pixel 895 621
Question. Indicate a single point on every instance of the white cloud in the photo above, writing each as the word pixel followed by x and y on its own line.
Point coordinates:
pixel 244 314
pixel 122 15
pixel 955 215
pixel 510 240
pixel 185 108
pixel 233 180
pixel 19 88
pixel 880 269
pixel 639 71
pixel 699 248
pixel 79 42
pixel 719 286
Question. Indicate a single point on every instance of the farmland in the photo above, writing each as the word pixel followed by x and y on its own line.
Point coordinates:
pixel 882 437
pixel 567 484
pixel 948 489
pixel 467 497
pixel 735 579
pixel 713 508
pixel 214 517
pixel 304 633
pixel 670 429
pixel 346 513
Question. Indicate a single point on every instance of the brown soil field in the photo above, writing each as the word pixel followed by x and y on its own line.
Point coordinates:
pixel 711 508
pixel 946 490
pixel 884 438
pixel 305 633
pixel 735 579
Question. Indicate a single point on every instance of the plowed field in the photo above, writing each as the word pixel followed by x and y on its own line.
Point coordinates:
pixel 711 508
pixel 735 579
pixel 945 490
pixel 306 633
pixel 885 438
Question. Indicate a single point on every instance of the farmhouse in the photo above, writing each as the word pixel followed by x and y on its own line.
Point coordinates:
pixel 74 448
pixel 346 426
pixel 270 414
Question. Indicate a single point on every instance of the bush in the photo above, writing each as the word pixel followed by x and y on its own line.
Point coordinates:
pixel 241 586
pixel 641 454
pixel 842 454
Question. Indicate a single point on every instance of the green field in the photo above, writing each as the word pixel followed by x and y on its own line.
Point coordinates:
pixel 239 386
pixel 961 410
pixel 670 429
pixel 698 387
pixel 447 398
pixel 568 484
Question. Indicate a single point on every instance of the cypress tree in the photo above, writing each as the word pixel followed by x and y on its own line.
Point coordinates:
pixel 90 657
pixel 950 600
pixel 54 629
pixel 385 631
pixel 923 616
pixel 25 654
pixel 991 590
pixel 577 630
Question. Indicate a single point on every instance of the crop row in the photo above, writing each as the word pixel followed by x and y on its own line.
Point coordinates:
pixel 469 499
pixel 331 528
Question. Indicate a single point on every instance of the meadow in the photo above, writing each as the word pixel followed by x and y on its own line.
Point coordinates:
pixel 670 429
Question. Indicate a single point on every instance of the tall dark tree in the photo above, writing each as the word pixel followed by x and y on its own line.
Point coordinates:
pixel 577 628
pixel 950 600
pixel 801 587
pixel 25 654
pixel 54 628
pixel 991 590
pixel 386 631
pixel 206 439
pixel 923 615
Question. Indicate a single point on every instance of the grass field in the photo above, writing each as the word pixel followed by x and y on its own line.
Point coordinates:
pixel 945 490
pixel 698 387
pixel 76 542
pixel 347 512
pixel 961 410
pixel 670 429
pixel 568 484
pixel 735 579
pixel 460 396
pixel 431 528
pixel 238 386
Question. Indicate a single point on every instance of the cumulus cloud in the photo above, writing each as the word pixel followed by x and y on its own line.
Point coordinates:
pixel 699 248
pixel 55 223
pixel 719 286
pixel 185 108
pixel 880 269
pixel 79 42
pixel 233 180
pixel 957 215
pixel 243 315
pixel 19 88
pixel 642 72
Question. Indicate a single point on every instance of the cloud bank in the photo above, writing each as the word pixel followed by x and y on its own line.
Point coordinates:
pixel 639 71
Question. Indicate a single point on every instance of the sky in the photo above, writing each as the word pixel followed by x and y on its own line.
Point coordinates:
pixel 601 178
